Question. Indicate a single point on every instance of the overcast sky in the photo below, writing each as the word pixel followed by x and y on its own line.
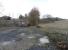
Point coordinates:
pixel 57 8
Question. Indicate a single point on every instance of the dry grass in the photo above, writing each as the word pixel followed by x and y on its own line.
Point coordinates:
pixel 58 26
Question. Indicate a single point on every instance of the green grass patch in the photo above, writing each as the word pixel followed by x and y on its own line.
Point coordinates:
pixel 55 37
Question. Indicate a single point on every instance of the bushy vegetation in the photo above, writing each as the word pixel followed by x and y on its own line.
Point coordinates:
pixel 55 36
pixel 59 39
pixel 5 18
pixel 33 17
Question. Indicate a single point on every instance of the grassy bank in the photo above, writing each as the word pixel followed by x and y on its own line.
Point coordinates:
pixel 58 26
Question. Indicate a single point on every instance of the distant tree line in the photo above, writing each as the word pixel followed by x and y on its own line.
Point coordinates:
pixel 33 17
pixel 5 18
pixel 48 19
pixel 30 19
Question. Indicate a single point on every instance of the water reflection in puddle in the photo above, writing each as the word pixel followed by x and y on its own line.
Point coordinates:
pixel 43 40
pixel 22 34
pixel 31 37
pixel 7 42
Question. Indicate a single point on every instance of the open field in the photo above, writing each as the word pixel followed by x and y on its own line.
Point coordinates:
pixel 58 26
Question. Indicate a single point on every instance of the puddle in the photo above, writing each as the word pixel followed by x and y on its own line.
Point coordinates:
pixel 34 35
pixel 7 42
pixel 43 40
pixel 31 37
pixel 22 34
